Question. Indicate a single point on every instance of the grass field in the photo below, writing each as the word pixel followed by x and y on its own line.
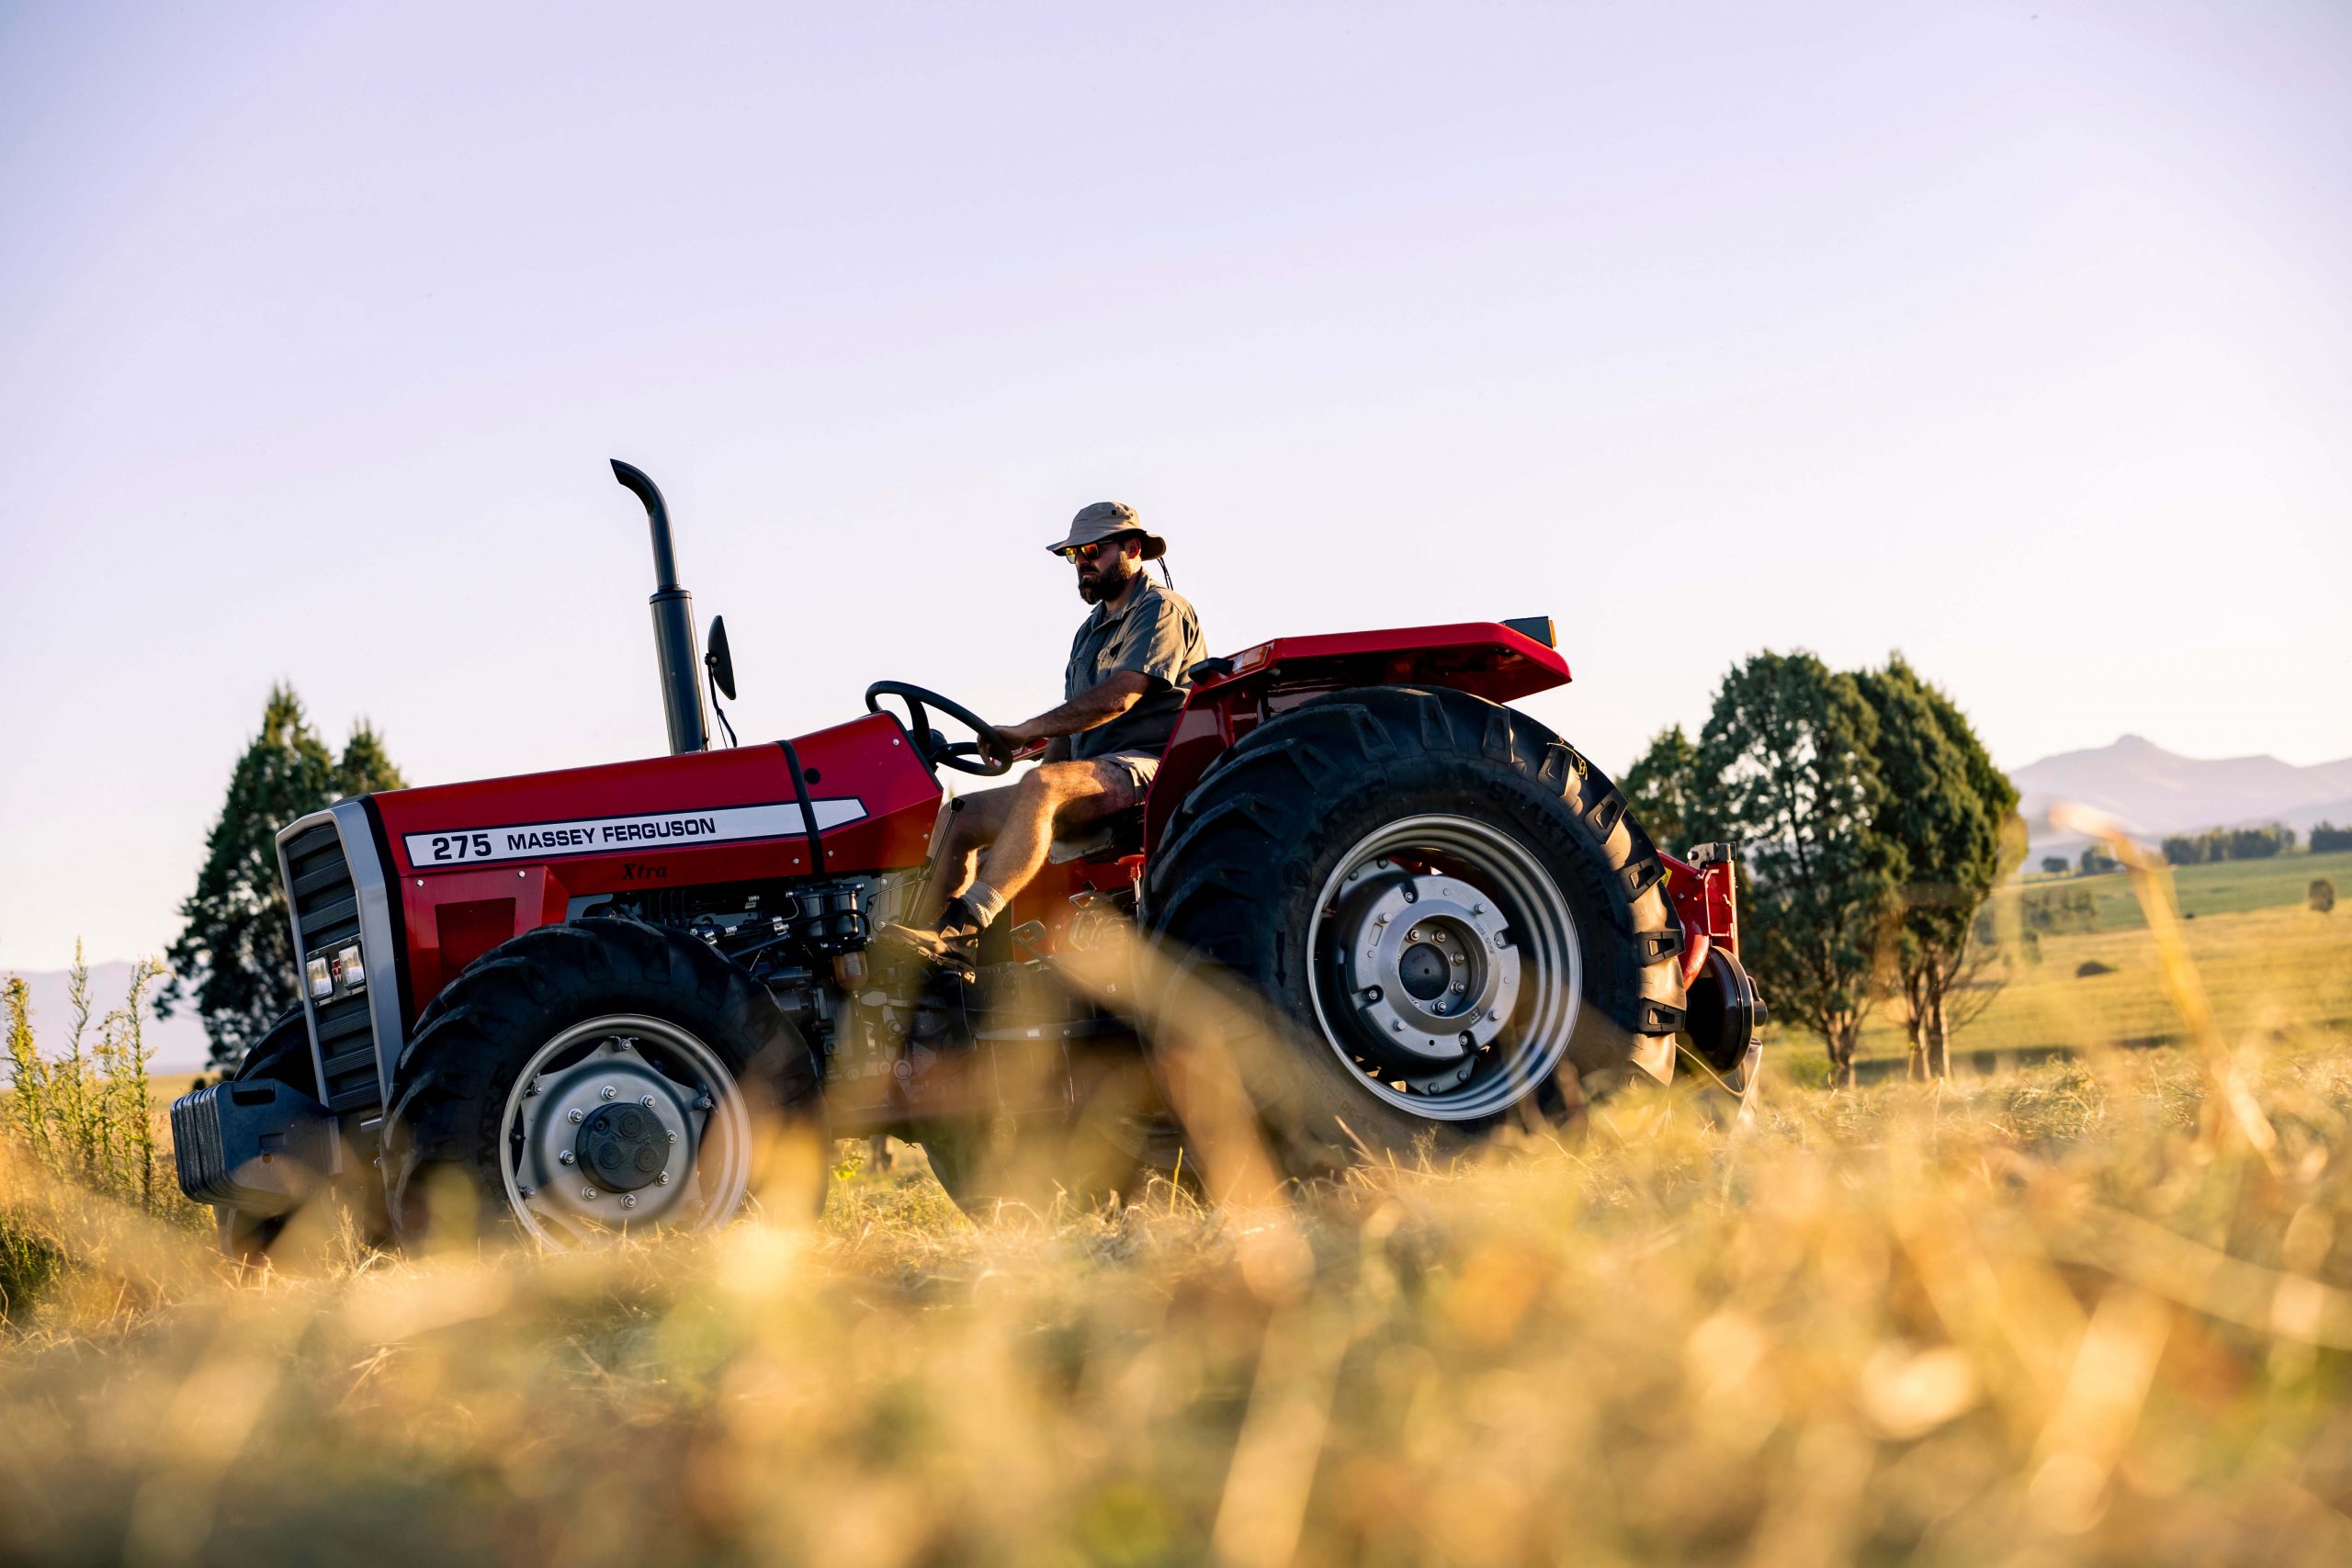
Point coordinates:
pixel 2031 1320
pixel 2081 1313
pixel 2228 888
pixel 2266 958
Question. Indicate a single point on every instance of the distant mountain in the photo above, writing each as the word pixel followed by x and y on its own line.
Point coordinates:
pixel 177 1045
pixel 2154 791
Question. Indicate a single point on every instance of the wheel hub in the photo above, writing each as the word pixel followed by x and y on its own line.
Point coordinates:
pixel 609 1139
pixel 1465 999
pixel 1428 967
pixel 622 1146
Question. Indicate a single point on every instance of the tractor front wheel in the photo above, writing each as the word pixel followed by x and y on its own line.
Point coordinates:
pixel 600 1077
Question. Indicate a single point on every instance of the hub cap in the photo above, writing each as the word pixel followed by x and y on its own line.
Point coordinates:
pixel 1445 968
pixel 624 1122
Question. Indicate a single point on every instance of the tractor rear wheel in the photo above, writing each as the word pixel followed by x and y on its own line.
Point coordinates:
pixel 1447 909
pixel 604 1077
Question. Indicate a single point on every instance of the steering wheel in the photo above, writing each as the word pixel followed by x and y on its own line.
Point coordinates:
pixel 985 757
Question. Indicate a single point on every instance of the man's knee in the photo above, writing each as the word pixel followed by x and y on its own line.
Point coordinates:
pixel 1054 784
pixel 973 820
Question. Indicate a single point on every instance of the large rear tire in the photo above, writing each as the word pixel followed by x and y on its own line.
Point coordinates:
pixel 1448 912
pixel 606 1076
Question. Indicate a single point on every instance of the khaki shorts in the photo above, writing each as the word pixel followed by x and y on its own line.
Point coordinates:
pixel 1140 767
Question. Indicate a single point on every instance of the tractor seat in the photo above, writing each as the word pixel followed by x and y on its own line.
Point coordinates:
pixel 1118 835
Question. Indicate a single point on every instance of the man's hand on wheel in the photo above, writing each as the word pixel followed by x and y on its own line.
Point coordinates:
pixel 1020 741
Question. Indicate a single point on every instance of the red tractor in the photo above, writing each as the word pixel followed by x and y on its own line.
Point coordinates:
pixel 573 995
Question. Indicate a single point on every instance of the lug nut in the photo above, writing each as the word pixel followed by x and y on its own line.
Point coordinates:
pixel 533 1090
pixel 629 1200
pixel 565 1157
pixel 663 1180
pixel 1458 987
pixel 608 1091
pixel 647 1101
pixel 527 1193
pixel 673 1135
pixel 579 1115
pixel 704 1102
pixel 1413 935
pixel 589 1193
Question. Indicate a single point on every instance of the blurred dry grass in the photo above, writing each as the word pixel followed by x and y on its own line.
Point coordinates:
pixel 2097 1312
pixel 2035 1319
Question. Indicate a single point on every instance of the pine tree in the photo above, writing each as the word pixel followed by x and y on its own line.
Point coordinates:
pixel 365 768
pixel 235 951
pixel 1786 763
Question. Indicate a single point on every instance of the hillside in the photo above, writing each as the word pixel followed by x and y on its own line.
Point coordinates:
pixel 2155 792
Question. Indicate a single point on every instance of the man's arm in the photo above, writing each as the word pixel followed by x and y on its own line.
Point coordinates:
pixel 1096 706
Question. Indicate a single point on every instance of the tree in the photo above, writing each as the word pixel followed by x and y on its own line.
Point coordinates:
pixel 2096 861
pixel 1953 816
pixel 365 768
pixel 2054 865
pixel 1662 791
pixel 235 951
pixel 1786 769
pixel 2327 838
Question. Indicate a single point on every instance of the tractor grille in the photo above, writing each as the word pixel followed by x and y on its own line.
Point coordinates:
pixel 326 912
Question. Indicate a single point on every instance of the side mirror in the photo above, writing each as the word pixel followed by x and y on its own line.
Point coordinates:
pixel 720 664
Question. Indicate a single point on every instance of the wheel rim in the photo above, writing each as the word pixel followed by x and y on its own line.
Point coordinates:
pixel 1445 967
pixel 623 1123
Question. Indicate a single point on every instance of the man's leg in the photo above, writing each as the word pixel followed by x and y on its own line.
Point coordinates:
pixel 1057 795
pixel 967 827
pixel 1017 825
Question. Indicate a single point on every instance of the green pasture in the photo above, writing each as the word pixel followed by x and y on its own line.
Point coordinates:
pixel 2226 888
pixel 2266 961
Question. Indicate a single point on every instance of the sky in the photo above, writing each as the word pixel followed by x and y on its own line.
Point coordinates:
pixel 2013 337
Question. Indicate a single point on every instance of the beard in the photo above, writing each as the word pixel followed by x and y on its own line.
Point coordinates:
pixel 1103 584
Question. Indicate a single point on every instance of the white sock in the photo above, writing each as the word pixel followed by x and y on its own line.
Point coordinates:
pixel 985 902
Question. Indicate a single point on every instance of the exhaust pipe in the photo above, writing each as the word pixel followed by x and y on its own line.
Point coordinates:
pixel 673 621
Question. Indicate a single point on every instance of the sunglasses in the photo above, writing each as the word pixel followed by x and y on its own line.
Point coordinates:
pixel 1088 552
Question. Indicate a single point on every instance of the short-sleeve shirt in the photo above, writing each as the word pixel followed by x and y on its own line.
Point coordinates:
pixel 1154 634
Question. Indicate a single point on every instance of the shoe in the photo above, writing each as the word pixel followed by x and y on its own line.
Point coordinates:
pixel 953 946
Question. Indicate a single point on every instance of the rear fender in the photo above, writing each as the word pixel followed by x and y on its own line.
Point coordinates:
pixel 1229 697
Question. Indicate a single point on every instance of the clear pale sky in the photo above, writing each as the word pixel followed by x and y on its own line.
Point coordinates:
pixel 2017 336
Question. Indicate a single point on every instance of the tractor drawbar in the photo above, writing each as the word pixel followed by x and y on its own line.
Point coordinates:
pixel 673 621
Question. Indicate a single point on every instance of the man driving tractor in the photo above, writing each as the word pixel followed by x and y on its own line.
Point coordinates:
pixel 1121 695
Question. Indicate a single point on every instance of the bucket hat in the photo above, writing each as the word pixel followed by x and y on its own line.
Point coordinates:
pixel 1105 519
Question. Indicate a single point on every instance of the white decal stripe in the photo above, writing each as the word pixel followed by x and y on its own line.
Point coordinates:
pixel 614 835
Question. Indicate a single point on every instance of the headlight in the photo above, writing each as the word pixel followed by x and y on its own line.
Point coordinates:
pixel 348 968
pixel 321 982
